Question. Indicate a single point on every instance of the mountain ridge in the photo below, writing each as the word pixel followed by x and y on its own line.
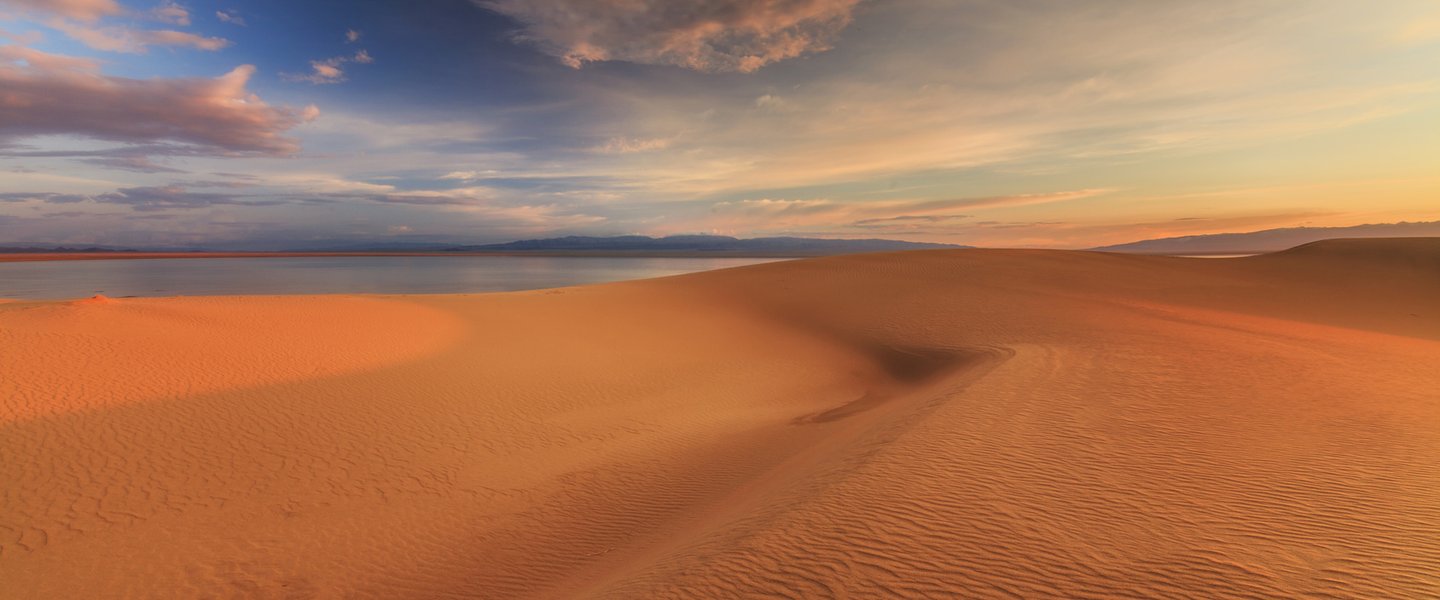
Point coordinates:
pixel 1271 240
pixel 703 244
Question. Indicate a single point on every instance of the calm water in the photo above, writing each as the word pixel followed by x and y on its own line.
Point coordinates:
pixel 332 275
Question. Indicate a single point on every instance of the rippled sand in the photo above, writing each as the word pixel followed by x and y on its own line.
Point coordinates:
pixel 972 423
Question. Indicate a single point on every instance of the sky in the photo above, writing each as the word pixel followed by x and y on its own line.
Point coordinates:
pixel 276 124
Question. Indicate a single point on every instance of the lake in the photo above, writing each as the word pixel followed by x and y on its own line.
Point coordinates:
pixel 333 275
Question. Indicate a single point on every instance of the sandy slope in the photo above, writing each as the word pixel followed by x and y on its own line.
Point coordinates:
pixel 974 423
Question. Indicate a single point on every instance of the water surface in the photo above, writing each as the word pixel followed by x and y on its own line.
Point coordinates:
pixel 332 275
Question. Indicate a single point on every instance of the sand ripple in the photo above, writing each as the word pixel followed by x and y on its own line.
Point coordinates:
pixel 980 424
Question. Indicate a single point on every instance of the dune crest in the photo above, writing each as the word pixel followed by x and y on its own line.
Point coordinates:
pixel 970 423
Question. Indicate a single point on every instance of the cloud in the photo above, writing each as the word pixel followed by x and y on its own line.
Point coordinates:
pixel 134 41
pixel 329 70
pixel 322 72
pixel 907 221
pixel 144 198
pixel 85 10
pixel 629 145
pixel 494 206
pixel 771 102
pixel 172 13
pixel 165 198
pixel 982 86
pixel 830 216
pixel 47 94
pixel 79 19
pixel 230 16
pixel 125 152
pixel 46 197
pixel 352 36
pixel 138 164
pixel 704 35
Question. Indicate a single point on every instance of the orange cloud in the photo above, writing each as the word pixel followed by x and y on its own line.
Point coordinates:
pixel 330 70
pixel 704 35
pixel 78 19
pixel 46 94
pixel 888 216
pixel 170 12
pixel 125 39
pixel 85 10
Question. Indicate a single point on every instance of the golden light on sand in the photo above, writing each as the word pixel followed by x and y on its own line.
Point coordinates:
pixel 972 423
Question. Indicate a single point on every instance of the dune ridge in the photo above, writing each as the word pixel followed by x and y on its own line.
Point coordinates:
pixel 973 423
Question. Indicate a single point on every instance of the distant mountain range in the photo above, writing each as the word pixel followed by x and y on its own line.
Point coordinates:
pixel 624 245
pixel 58 249
pixel 1272 240
pixel 702 244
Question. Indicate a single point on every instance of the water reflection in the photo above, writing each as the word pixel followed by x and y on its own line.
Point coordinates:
pixel 332 275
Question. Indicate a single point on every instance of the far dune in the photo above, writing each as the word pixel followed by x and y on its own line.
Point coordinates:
pixel 950 423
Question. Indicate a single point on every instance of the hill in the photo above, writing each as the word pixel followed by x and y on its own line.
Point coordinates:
pixel 781 246
pixel 1272 240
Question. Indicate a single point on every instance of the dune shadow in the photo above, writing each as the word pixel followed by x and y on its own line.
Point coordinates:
pixel 907 369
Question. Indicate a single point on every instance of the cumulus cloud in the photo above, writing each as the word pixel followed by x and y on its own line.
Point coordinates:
pixel 704 35
pixel 352 36
pixel 47 94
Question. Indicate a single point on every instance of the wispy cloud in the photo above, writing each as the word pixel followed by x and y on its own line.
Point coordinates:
pixel 831 216
pixel 138 164
pixel 809 117
pixel 230 16
pixel 629 145
pixel 170 12
pixel 705 35
pixel 168 197
pixel 145 199
pixel 131 40
pixel 330 70
pixel 85 10
pixel 46 197
pixel 85 21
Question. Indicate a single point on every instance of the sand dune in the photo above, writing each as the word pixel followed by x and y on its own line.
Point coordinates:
pixel 969 423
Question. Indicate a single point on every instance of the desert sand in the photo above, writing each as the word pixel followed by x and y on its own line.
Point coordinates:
pixel 968 423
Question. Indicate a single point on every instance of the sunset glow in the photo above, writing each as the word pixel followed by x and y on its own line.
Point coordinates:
pixel 271 125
